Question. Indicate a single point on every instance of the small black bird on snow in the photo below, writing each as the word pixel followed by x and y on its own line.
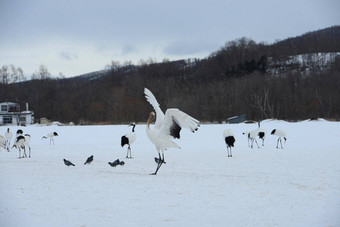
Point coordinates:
pixel 68 163
pixel 116 162
pixel 89 160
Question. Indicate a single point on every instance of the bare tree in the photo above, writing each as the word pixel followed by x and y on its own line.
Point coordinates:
pixel 42 74
pixel 4 74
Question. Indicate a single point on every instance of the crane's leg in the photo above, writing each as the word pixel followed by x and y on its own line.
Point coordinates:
pixel 29 151
pixel 8 144
pixel 24 153
pixel 159 163
pixel 257 143
pixel 228 151
pixel 128 152
pixel 281 143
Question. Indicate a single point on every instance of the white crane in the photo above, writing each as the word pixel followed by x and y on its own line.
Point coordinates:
pixel 229 139
pixel 128 139
pixel 50 135
pixel 8 136
pixel 167 127
pixel 252 137
pixel 262 133
pixel 20 144
pixel 279 133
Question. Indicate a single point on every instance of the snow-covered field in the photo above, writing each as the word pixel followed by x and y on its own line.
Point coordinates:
pixel 198 186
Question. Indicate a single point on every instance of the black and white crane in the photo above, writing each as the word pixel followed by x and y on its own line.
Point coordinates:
pixel 128 139
pixel 229 139
pixel 50 135
pixel 280 134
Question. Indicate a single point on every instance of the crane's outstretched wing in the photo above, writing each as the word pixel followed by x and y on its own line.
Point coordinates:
pixel 153 101
pixel 176 119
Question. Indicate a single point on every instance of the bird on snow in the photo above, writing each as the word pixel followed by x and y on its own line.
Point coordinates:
pixel 280 134
pixel 229 140
pixel 89 160
pixel 114 163
pixel 68 163
pixel 50 135
pixel 167 127
pixel 128 139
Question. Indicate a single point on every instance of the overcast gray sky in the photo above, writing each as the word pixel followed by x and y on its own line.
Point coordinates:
pixel 76 37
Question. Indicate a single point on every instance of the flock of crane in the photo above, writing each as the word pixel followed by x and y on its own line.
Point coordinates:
pixel 167 127
pixel 21 141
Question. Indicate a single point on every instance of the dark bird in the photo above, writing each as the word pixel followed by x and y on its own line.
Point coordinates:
pixel 121 163
pixel 89 160
pixel 68 163
pixel 115 163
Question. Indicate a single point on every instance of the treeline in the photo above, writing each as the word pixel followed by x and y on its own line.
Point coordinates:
pixel 242 77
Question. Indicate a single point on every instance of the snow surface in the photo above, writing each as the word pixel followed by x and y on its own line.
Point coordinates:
pixel 198 186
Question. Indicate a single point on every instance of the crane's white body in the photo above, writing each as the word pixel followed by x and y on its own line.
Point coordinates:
pixel 281 134
pixel 8 137
pixel 228 132
pixel 167 126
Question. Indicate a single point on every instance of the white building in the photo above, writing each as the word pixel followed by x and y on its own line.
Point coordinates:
pixel 10 114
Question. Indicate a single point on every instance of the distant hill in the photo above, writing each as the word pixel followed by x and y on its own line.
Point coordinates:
pixel 322 41
pixel 296 78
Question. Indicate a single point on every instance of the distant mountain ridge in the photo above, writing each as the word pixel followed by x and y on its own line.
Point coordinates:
pixel 296 78
pixel 325 40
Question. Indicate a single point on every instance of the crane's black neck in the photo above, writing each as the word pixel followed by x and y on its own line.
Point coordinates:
pixel 133 128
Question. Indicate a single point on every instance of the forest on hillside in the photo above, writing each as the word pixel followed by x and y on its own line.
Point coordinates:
pixel 293 79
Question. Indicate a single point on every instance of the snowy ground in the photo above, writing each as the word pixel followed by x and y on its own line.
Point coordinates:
pixel 198 186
